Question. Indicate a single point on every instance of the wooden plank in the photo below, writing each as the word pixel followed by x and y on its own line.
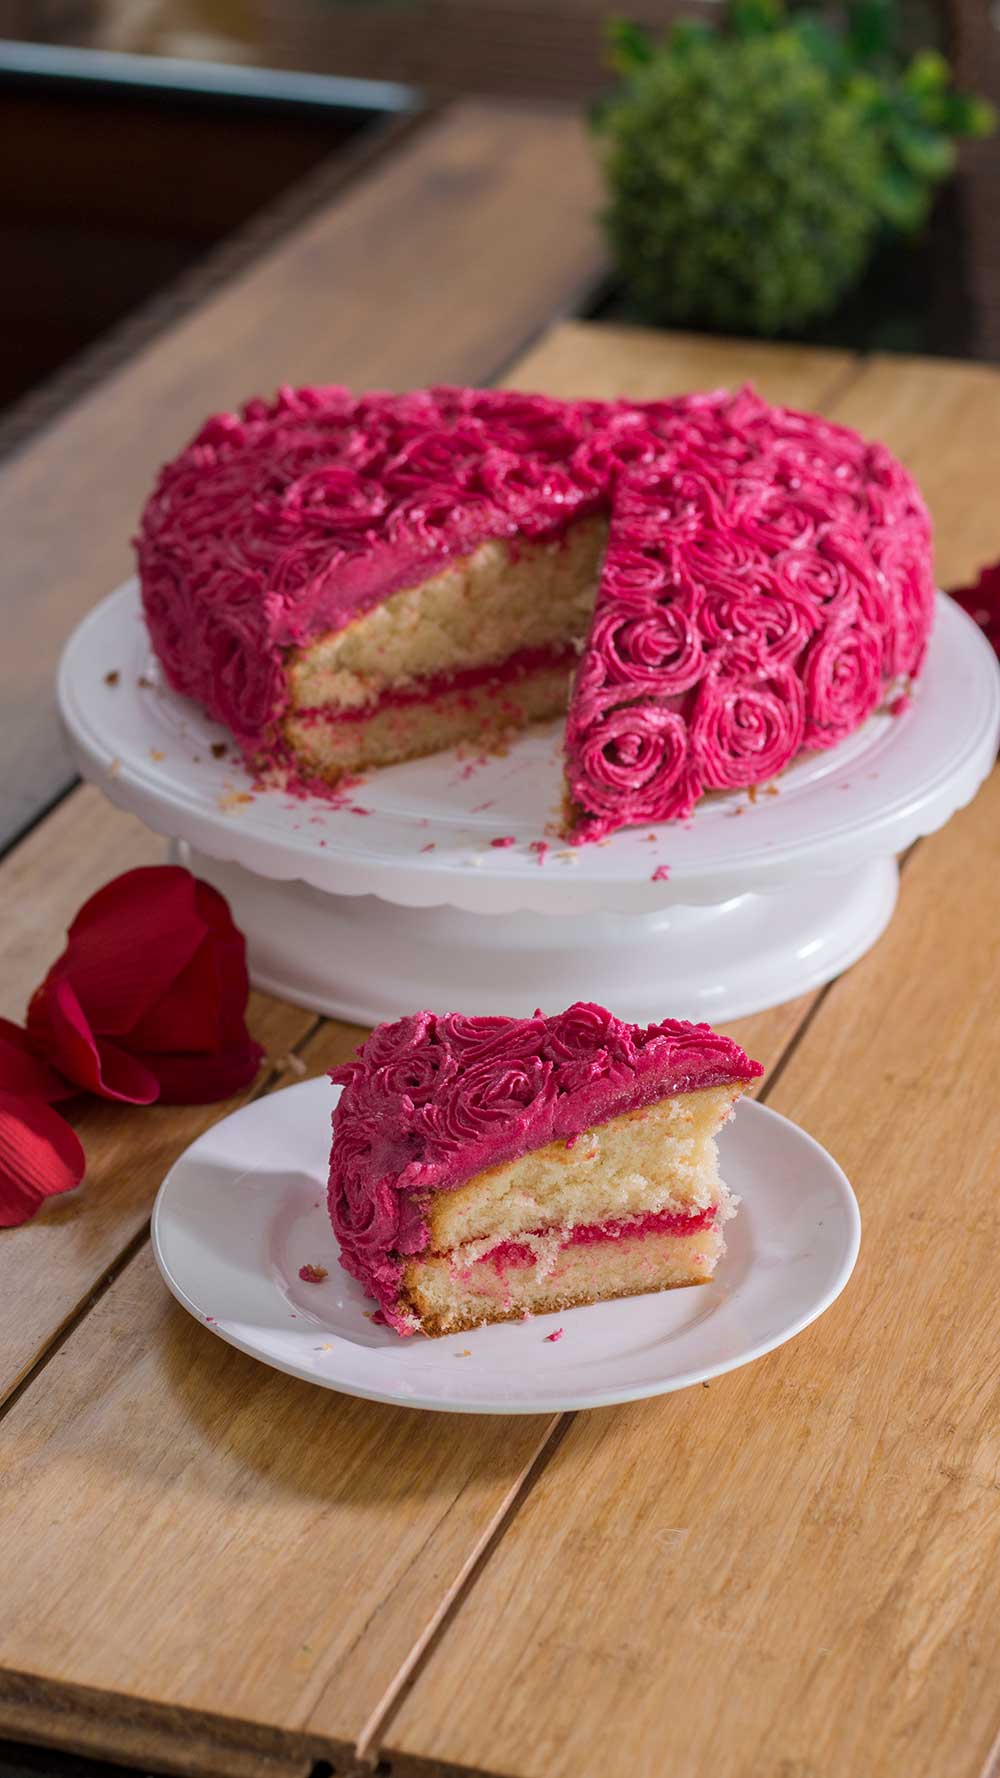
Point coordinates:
pixel 943 420
pixel 805 1555
pixel 192 1534
pixel 600 361
pixel 408 278
pixel 51 1266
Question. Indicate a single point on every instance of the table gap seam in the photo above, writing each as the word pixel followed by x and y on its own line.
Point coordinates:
pixel 369 1741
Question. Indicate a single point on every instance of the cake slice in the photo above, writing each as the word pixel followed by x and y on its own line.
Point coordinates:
pixel 487 1168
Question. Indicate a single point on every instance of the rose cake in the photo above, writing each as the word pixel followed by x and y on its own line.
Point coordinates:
pixel 706 586
pixel 487 1168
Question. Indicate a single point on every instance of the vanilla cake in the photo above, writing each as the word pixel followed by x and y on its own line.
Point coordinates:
pixel 483 1169
pixel 704 587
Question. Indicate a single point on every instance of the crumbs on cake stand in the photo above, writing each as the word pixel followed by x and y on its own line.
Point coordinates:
pixel 311 1274
pixel 506 839
pixel 661 874
pixel 550 1339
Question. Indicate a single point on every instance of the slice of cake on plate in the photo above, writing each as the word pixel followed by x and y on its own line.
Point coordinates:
pixel 486 1168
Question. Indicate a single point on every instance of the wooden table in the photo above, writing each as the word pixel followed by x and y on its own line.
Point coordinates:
pixel 209 1568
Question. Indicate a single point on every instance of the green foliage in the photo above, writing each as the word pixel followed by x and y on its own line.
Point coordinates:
pixel 751 171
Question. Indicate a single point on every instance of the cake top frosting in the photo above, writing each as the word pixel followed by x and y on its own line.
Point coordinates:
pixel 432 1100
pixel 767 571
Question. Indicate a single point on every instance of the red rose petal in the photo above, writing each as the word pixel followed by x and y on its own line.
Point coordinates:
pixel 188 1015
pixel 128 944
pixel 23 1071
pixel 57 1021
pixel 200 1080
pixel 39 1156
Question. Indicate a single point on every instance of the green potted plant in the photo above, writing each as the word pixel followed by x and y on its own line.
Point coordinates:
pixel 753 169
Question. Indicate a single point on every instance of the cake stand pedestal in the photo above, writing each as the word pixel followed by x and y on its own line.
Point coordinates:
pixel 359 959
pixel 397 894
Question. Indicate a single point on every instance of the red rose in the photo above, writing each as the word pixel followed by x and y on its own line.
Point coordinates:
pixel 147 1001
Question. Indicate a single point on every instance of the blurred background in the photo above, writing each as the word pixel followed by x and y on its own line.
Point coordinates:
pixel 831 176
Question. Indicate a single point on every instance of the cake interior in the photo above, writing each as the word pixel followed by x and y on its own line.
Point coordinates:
pixel 632 1205
pixel 487 645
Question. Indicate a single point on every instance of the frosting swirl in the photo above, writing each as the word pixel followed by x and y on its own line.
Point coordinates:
pixel 758 561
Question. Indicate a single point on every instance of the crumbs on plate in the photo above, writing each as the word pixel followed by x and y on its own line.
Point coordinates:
pixel 313 1274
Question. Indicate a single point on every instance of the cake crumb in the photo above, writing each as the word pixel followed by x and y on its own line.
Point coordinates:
pixel 145 684
pixel 113 677
pixel 465 1353
pixel 234 799
pixel 479 808
pixel 550 1339
pixel 313 1274
pixel 356 809
pixel 328 1347
pixel 541 848
pixel 773 790
pixel 157 753
pixel 752 793
pixel 114 768
pixel 506 839
pixel 219 749
pixel 661 874
pixel 430 846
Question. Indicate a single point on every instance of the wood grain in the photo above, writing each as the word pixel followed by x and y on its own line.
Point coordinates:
pixel 187 1528
pixel 407 278
pixel 806 1556
pixel 943 421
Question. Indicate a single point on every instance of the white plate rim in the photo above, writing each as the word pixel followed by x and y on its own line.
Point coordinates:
pixel 558 1401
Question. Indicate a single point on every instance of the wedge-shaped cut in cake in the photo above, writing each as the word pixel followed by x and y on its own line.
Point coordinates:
pixel 487 1168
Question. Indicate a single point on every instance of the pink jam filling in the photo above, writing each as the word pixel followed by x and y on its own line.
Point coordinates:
pixel 523 664
pixel 767 573
pixel 509 1254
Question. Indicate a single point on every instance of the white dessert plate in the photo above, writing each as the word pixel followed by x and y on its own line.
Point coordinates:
pixel 422 834
pixel 244 1209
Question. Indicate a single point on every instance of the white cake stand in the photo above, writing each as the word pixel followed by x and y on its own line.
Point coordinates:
pixel 396 898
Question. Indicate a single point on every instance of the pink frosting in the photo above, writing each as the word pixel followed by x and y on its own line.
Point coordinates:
pixel 767 573
pixel 431 1101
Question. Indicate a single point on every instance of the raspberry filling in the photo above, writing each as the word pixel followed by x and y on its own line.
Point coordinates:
pixel 520 665
pixel 508 1254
